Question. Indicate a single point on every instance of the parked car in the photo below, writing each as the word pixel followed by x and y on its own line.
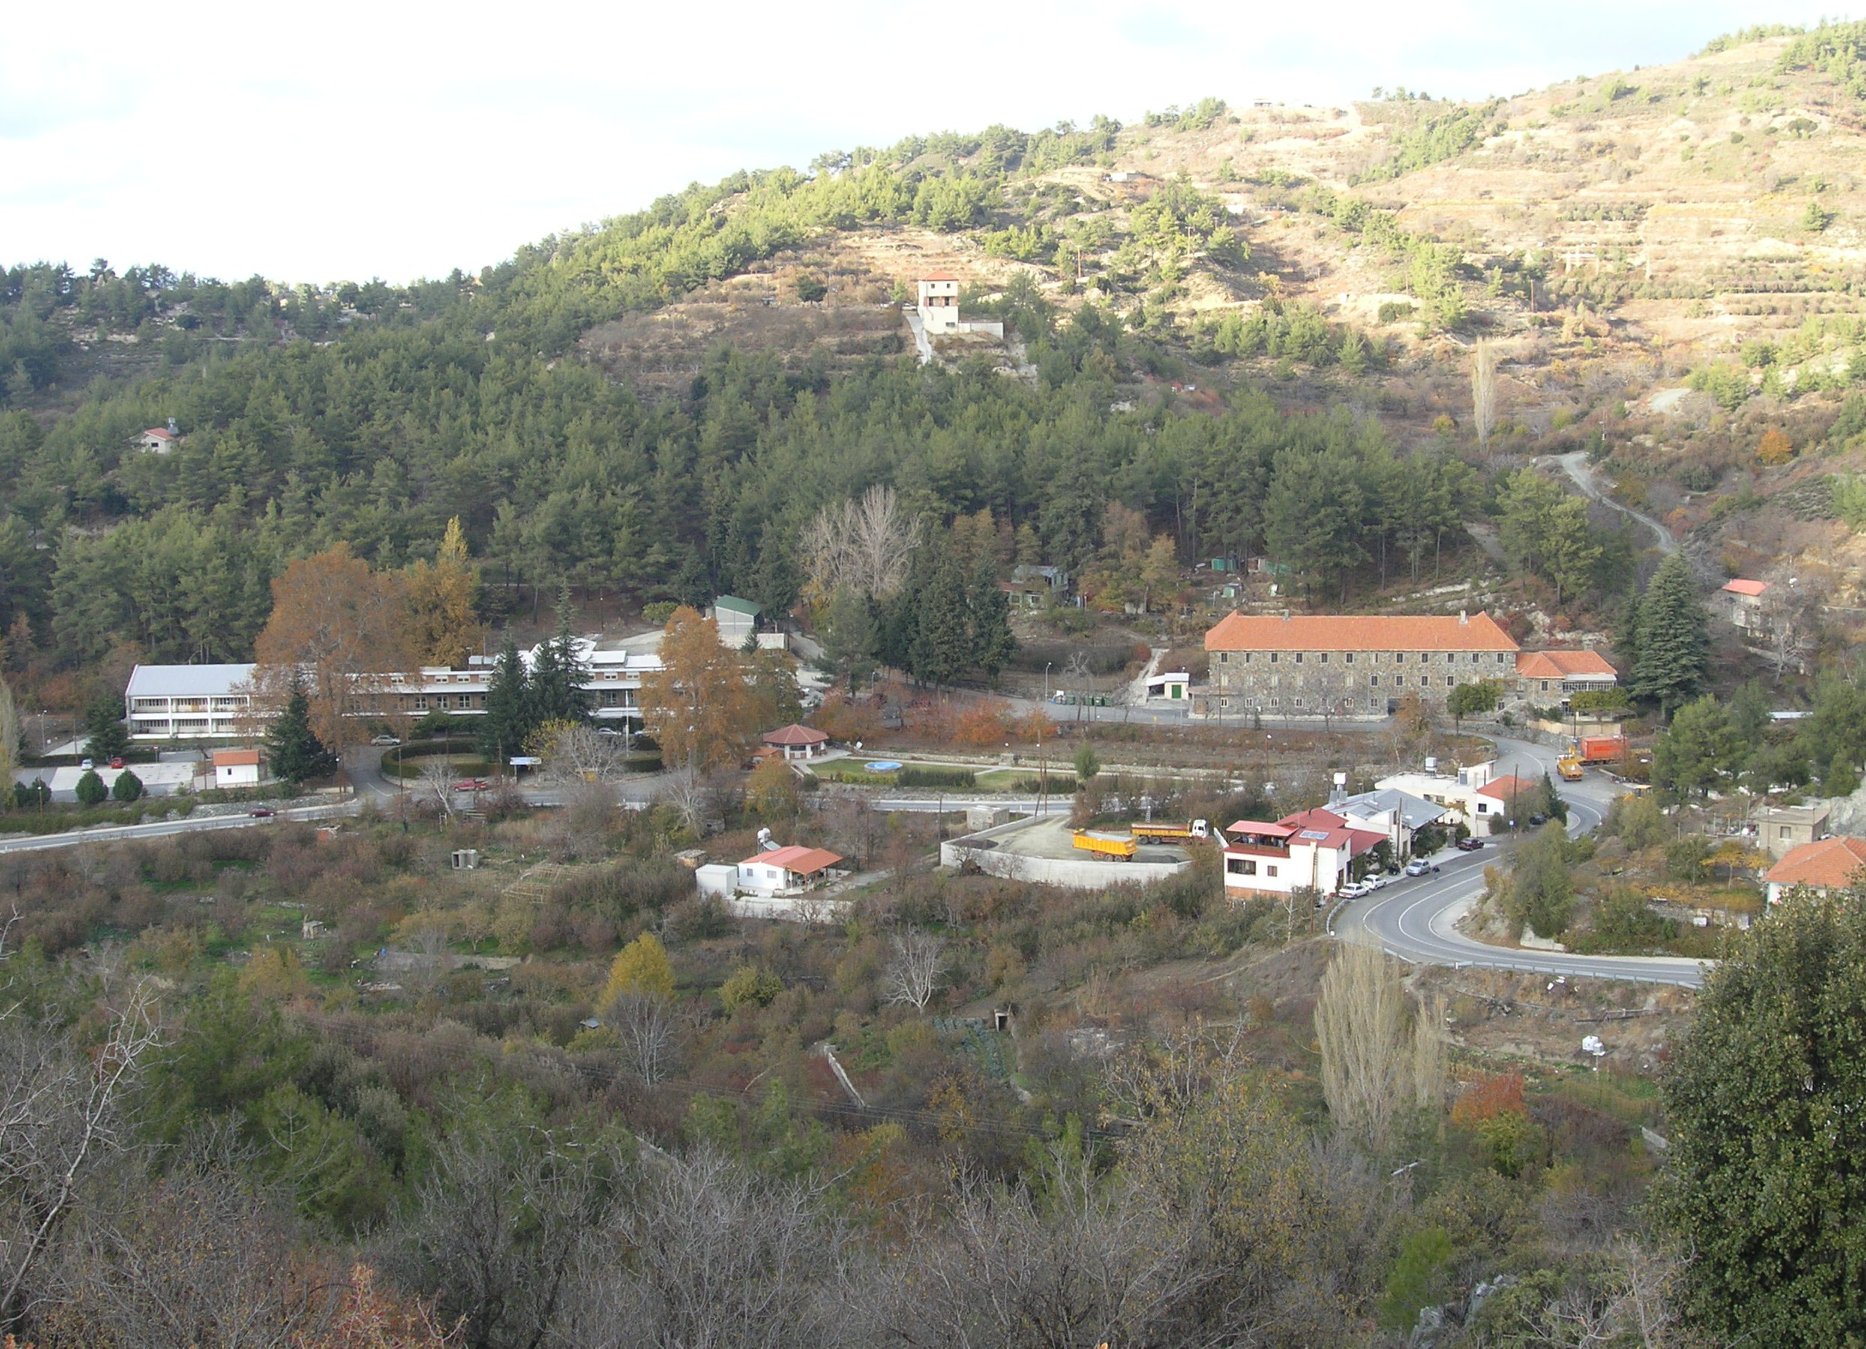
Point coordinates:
pixel 262 812
pixel 1470 844
pixel 386 740
pixel 1354 890
pixel 1537 821
pixel 471 785
pixel 117 762
pixel 86 764
pixel 1419 867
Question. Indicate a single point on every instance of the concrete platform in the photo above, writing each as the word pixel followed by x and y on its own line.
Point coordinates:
pixel 1042 849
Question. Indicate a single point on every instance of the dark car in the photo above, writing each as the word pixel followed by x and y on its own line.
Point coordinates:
pixel 1470 844
pixel 262 812
pixel 1537 821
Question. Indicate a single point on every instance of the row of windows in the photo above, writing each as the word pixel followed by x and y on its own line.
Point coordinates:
pixel 1347 657
pixel 1247 866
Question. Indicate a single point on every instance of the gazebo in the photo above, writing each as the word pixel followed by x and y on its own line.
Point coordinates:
pixel 797 742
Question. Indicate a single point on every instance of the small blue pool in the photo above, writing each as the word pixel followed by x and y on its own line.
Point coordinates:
pixel 883 765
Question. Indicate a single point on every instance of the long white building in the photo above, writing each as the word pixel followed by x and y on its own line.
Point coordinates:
pixel 212 702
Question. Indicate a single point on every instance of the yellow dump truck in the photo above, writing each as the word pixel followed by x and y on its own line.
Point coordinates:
pixel 1170 833
pixel 1569 767
pixel 1106 848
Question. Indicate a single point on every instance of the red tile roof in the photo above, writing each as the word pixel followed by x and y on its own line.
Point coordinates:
pixel 1742 587
pixel 939 276
pixel 1507 787
pixel 803 861
pixel 1357 632
pixel 160 433
pixel 235 758
pixel 794 734
pixel 1564 665
pixel 1259 829
pixel 1826 864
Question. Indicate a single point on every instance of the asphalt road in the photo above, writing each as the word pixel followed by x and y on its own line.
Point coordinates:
pixel 1414 918
pixel 74 838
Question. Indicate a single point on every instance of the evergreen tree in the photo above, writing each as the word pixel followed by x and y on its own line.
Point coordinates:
pixel 1674 645
pixel 992 642
pixel 109 738
pixel 127 787
pixel 292 747
pixel 942 642
pixel 509 718
pixel 851 637
pixel 91 789
pixel 559 673
pixel 1765 1178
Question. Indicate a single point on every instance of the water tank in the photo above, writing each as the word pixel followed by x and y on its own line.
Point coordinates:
pixel 1431 764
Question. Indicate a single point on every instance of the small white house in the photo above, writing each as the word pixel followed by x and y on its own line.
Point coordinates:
pixel 157 440
pixel 236 768
pixel 1172 688
pixel 781 871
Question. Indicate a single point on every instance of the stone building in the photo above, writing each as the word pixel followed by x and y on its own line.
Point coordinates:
pixel 1316 665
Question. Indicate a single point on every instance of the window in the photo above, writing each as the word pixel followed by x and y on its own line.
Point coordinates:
pixel 1399 681
pixel 1399 657
pixel 1276 702
pixel 1247 658
pixel 1501 657
pixel 1295 702
pixel 1224 702
pixel 1224 657
pixel 1450 680
pixel 1545 686
pixel 1323 658
pixel 1373 681
pixel 1425 657
pixel 1299 658
pixel 1273 658
pixel 1241 866
pixel 1269 869
pixel 1373 704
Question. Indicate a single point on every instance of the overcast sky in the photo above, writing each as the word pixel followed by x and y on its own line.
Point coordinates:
pixel 344 140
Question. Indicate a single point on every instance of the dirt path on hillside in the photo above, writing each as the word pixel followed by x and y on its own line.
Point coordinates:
pixel 1575 465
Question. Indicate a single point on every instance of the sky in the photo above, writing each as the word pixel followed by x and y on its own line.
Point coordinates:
pixel 344 140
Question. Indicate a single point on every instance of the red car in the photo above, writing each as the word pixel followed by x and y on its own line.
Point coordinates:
pixel 471 785
pixel 262 812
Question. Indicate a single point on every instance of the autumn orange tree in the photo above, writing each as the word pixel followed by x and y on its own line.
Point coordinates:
pixel 443 628
pixel 1775 447
pixel 345 628
pixel 699 706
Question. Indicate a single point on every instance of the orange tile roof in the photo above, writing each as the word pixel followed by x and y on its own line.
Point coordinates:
pixel 1825 864
pixel 1564 665
pixel 235 758
pixel 803 861
pixel 1507 787
pixel 939 276
pixel 794 734
pixel 1357 632
pixel 1742 587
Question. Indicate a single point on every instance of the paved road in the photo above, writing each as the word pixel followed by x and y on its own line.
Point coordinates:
pixel 73 838
pixel 1414 919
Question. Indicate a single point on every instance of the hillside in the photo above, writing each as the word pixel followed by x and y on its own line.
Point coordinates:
pixel 1664 262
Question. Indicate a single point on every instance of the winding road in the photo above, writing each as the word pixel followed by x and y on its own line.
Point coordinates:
pixel 1416 919
pixel 1575 465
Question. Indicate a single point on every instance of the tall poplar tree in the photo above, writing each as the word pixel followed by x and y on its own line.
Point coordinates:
pixel 1674 644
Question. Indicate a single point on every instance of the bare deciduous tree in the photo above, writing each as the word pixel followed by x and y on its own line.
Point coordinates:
pixel 915 961
pixel 578 753
pixel 1484 391
pixel 864 547
pixel 1368 1035
pixel 436 785
pixel 60 1120
pixel 647 1025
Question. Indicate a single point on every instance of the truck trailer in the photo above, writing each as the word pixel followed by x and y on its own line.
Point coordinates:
pixel 1105 847
pixel 1600 749
pixel 1171 833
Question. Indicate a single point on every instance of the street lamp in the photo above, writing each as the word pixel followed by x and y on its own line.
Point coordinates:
pixel 1046 680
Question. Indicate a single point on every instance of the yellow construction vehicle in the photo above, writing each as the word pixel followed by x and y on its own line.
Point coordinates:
pixel 1569 767
pixel 1106 848
pixel 1170 833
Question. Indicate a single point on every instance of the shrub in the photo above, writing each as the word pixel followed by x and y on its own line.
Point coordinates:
pixel 91 789
pixel 920 775
pixel 128 787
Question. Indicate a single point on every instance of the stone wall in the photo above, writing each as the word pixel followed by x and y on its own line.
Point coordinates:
pixel 1347 683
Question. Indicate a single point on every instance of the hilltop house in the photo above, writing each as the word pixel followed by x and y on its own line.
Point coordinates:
pixel 785 871
pixel 156 440
pixel 1826 864
pixel 938 297
pixel 1743 605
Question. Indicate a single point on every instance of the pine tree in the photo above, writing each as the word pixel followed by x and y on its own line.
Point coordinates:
pixel 942 642
pixel 91 789
pixel 509 718
pixel 559 673
pixel 9 735
pixel 992 642
pixel 109 739
pixel 1674 646
pixel 292 747
pixel 127 787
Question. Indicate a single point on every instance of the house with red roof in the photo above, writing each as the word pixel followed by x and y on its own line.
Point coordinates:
pixel 157 440
pixel 1310 850
pixel 1821 866
pixel 1743 603
pixel 1563 672
pixel 786 871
